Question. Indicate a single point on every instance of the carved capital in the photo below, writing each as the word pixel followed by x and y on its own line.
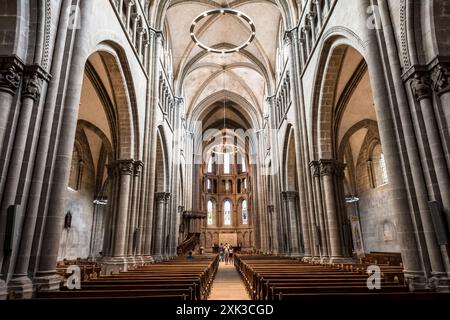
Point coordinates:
pixel 441 77
pixel 315 167
pixel 167 197
pixel 311 16
pixel 10 73
pixel 290 195
pixel 327 167
pixel 421 87
pixel 136 17
pixel 179 101
pixel 291 36
pixel 125 167
pixel 160 197
pixel 32 83
pixel 138 166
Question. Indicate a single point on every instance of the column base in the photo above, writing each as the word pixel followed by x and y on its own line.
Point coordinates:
pixel 416 281
pixel 51 282
pixel 158 258
pixel 131 261
pixel 3 290
pixel 439 282
pixel 315 260
pixel 139 260
pixel 114 265
pixel 148 259
pixel 20 288
pixel 307 259
pixel 324 260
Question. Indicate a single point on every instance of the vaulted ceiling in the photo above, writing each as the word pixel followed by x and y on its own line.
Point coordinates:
pixel 204 78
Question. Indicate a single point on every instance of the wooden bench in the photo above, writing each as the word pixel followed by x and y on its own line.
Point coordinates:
pixel 178 279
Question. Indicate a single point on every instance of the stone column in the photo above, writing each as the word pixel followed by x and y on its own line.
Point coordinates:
pixel 10 76
pixel 111 210
pixel 160 198
pixel 305 30
pixel 293 214
pixel 116 261
pixel 284 224
pixel 125 170
pixel 149 185
pixel 130 4
pixel 321 227
pixel 319 12
pixel 137 169
pixel 327 170
pixel 343 219
pixel 398 196
pixel 423 93
pixel 310 22
pixel 31 91
pixel 167 226
pixel 135 17
pixel 273 243
pixel 442 88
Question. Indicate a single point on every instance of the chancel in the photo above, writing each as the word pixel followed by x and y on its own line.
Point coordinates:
pixel 224 149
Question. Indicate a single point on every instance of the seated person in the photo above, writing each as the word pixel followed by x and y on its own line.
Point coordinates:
pixel 190 257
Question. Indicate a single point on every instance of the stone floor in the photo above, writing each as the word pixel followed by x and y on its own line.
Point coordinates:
pixel 228 284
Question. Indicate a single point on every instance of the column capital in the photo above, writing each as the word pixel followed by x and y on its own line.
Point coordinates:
pixel 167 197
pixel 291 36
pixel 125 167
pixel 441 79
pixel 11 68
pixel 421 86
pixel 179 101
pixel 291 195
pixel 33 77
pixel 138 166
pixel 311 15
pixel 135 16
pixel 271 100
pixel 160 197
pixel 306 28
pixel 315 166
pixel 327 167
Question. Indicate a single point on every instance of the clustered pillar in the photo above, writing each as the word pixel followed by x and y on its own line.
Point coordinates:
pixel 122 221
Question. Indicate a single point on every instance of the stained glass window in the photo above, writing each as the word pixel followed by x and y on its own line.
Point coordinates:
pixel 227 213
pixel 244 212
pixel 210 212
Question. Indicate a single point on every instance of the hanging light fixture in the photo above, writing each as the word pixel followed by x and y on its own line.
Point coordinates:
pixel 223 11
pixel 225 147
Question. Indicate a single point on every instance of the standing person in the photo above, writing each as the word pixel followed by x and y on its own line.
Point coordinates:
pixel 227 254
pixel 221 253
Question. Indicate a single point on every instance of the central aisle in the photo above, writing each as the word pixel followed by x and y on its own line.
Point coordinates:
pixel 227 284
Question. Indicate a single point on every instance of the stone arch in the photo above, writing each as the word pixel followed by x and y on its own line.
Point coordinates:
pixel 333 48
pixel 126 111
pixel 371 125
